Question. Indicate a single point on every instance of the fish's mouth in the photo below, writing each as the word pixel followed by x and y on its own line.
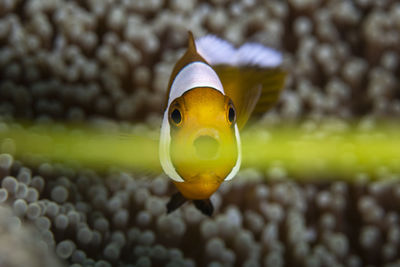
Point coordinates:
pixel 206 144
pixel 206 147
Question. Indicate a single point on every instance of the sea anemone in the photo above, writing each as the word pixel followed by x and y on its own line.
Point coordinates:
pixel 108 62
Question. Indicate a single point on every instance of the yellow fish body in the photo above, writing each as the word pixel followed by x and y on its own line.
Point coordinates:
pixel 212 92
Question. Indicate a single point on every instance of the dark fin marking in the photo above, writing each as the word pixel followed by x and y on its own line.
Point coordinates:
pixel 205 206
pixel 250 101
pixel 175 202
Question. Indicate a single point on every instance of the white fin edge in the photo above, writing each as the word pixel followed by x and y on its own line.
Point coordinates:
pixel 218 51
pixel 215 50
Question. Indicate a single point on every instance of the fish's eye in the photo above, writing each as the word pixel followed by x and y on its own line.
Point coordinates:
pixel 176 116
pixel 231 114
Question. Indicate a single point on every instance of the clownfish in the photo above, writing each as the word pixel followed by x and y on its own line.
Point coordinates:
pixel 213 90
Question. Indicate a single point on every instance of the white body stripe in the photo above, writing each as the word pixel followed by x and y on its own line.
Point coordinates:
pixel 196 74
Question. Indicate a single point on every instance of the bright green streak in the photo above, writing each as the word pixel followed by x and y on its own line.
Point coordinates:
pixel 301 153
pixel 319 153
pixel 86 147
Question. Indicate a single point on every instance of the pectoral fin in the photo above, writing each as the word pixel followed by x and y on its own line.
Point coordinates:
pixel 205 206
pixel 252 89
pixel 175 202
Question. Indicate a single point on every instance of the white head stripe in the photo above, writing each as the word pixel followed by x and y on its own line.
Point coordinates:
pixel 165 158
pixel 195 74
pixel 236 168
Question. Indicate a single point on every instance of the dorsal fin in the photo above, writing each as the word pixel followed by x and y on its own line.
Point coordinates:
pixel 191 44
pixel 251 74
pixel 191 55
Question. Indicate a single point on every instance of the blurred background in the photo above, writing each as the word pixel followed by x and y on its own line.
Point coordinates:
pixel 108 62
